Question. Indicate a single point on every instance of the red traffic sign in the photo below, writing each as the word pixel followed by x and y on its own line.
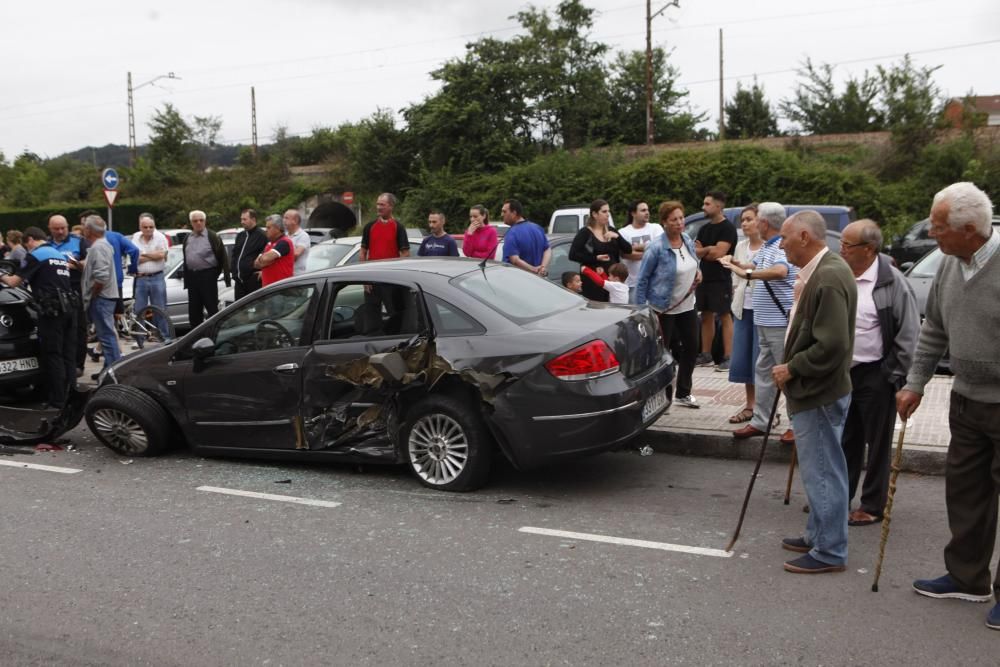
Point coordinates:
pixel 110 196
pixel 347 198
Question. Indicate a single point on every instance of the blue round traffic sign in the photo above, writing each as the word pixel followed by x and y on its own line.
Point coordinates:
pixel 109 178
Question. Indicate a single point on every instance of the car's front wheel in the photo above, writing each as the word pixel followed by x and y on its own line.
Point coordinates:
pixel 128 421
pixel 447 445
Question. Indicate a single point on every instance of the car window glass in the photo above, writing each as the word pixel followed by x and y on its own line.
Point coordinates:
pixel 450 321
pixel 326 255
pixel 374 310
pixel 566 224
pixel 928 266
pixel 923 231
pixel 174 256
pixel 561 262
pixel 518 295
pixel 272 321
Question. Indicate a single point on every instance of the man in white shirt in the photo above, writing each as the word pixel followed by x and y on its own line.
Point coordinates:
pixel 640 233
pixel 300 239
pixel 150 286
pixel 885 335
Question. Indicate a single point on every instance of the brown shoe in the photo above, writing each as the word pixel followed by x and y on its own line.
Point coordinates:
pixel 746 432
pixel 788 438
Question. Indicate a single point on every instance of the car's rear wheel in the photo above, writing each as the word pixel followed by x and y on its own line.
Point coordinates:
pixel 447 445
pixel 128 421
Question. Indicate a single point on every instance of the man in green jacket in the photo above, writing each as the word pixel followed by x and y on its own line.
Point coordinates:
pixel 816 379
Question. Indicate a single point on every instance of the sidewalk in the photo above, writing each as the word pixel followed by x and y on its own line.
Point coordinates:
pixel 707 431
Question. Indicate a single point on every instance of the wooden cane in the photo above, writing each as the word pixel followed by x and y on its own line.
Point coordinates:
pixel 897 463
pixel 753 478
pixel 791 473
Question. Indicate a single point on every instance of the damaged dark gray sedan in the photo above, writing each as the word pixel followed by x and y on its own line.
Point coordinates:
pixel 432 363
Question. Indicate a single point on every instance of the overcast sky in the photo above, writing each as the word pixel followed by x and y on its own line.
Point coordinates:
pixel 323 62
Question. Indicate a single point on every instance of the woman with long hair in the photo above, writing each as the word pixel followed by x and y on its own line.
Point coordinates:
pixel 481 237
pixel 745 348
pixel 597 247
pixel 668 277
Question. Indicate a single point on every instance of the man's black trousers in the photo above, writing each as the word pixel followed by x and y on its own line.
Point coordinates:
pixel 203 294
pixel 57 338
pixel 869 422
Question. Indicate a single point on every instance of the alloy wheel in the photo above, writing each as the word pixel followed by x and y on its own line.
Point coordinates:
pixel 439 448
pixel 122 433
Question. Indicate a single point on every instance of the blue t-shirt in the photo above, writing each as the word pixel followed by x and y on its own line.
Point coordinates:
pixel 438 246
pixel 527 240
pixel 122 246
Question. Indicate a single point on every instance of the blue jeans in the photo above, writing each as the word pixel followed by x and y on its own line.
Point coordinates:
pixel 102 314
pixel 152 291
pixel 824 475
pixel 745 349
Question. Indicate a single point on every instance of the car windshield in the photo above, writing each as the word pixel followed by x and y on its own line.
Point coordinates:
pixel 517 295
pixel 326 255
pixel 928 265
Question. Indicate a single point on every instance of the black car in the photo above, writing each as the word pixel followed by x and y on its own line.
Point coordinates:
pixel 19 351
pixel 914 243
pixel 433 363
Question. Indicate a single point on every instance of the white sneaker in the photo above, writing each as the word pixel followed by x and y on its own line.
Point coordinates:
pixel 687 402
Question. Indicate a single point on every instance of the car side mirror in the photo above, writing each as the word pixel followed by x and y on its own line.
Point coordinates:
pixel 906 266
pixel 203 348
pixel 390 366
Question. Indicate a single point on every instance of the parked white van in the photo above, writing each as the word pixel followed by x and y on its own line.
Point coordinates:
pixel 571 219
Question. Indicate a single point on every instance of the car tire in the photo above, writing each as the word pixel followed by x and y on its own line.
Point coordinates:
pixel 446 444
pixel 128 421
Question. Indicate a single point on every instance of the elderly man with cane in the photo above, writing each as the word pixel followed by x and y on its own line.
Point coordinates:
pixel 816 380
pixel 885 334
pixel 962 317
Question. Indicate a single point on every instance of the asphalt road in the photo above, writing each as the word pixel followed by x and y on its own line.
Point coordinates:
pixel 129 563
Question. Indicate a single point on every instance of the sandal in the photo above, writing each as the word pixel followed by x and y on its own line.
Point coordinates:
pixel 744 415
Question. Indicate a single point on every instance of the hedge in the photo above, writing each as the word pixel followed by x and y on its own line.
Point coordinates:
pixel 125 217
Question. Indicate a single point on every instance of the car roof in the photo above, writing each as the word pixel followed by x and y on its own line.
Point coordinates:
pixel 446 266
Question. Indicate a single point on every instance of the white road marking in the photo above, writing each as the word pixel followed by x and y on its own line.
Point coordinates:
pixel 38 466
pixel 269 496
pixel 607 539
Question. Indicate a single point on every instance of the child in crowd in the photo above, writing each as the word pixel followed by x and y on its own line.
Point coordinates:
pixel 613 283
pixel 571 280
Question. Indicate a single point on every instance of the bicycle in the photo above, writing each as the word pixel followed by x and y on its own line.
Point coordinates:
pixel 142 327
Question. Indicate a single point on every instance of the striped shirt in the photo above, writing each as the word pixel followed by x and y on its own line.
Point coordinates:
pixel 765 311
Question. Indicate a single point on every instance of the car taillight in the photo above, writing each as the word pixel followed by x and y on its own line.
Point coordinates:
pixel 591 360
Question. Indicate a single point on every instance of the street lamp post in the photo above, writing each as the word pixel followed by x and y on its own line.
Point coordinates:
pixel 131 111
pixel 649 63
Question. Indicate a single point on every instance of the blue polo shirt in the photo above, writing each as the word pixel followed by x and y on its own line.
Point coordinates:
pixel 122 246
pixel 765 311
pixel 527 240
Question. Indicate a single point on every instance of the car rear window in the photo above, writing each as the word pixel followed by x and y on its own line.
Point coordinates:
pixel 566 224
pixel 324 256
pixel 517 295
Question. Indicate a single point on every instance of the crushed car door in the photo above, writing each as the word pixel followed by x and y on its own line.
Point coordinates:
pixel 344 399
pixel 245 394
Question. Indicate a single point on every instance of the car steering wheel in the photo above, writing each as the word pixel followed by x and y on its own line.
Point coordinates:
pixel 279 338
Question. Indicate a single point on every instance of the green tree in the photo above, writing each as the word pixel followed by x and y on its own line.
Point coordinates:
pixel 30 183
pixel 820 109
pixel 911 104
pixel 673 120
pixel 749 114
pixel 170 144
pixel 381 155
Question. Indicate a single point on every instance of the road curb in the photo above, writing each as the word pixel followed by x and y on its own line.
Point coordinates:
pixel 712 444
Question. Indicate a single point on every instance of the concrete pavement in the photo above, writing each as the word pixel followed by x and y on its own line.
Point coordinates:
pixel 706 431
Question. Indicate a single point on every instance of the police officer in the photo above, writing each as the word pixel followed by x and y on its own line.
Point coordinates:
pixel 46 270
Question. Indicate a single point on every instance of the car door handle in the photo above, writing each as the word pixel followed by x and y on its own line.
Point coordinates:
pixel 287 369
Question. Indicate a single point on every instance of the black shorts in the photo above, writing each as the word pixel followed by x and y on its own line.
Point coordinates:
pixel 714 297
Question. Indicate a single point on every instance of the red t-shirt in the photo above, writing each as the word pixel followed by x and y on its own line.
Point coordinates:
pixel 384 240
pixel 281 268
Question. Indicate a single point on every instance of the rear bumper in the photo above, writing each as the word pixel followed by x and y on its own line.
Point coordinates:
pixel 541 427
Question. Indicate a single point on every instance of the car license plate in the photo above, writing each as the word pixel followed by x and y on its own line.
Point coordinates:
pixel 653 404
pixel 15 365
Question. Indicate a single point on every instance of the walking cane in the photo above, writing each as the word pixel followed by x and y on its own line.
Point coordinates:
pixel 897 462
pixel 791 473
pixel 753 478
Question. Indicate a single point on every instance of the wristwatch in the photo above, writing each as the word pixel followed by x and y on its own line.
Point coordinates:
pixel 749 275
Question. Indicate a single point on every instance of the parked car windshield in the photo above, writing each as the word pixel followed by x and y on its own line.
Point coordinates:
pixel 928 265
pixel 326 255
pixel 517 295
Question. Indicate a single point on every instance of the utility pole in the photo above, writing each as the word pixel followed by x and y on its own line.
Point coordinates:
pixel 131 111
pixel 253 119
pixel 722 111
pixel 649 64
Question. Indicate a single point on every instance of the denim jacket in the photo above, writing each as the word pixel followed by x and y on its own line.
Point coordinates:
pixel 657 272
